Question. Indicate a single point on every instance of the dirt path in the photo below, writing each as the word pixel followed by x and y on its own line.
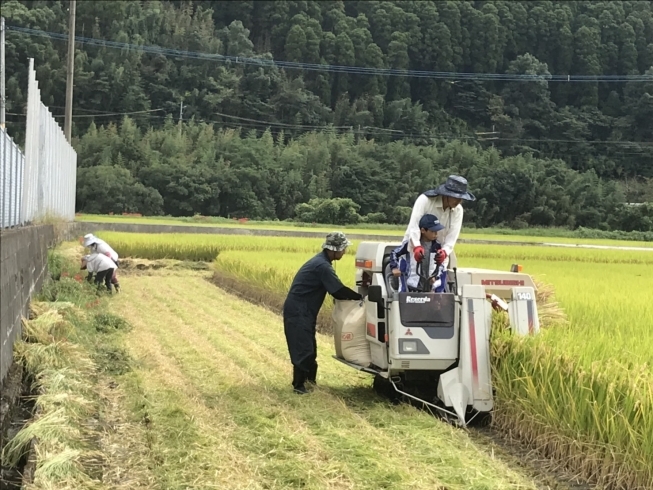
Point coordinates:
pixel 212 381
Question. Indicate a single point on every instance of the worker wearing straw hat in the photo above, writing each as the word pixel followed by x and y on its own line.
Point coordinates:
pixel 445 202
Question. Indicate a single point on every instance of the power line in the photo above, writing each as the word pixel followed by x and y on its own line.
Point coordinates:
pixel 95 111
pixel 591 142
pixel 354 70
pixel 99 114
pixel 362 130
pixel 278 123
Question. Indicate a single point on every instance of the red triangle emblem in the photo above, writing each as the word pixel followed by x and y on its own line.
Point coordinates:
pixel 408 332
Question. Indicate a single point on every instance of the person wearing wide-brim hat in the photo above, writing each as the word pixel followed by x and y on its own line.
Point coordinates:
pixel 310 286
pixel 445 203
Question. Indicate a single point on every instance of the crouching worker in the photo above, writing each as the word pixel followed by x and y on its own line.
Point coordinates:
pixel 408 271
pixel 312 282
pixel 102 266
pixel 97 245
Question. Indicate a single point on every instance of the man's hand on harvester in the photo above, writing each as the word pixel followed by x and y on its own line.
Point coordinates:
pixel 440 256
pixel 418 253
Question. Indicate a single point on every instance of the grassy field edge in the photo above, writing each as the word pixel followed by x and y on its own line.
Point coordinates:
pixel 80 435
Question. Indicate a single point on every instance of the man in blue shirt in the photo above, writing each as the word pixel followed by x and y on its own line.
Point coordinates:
pixel 312 282
pixel 404 266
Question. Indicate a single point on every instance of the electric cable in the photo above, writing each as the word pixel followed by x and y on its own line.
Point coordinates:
pixel 354 70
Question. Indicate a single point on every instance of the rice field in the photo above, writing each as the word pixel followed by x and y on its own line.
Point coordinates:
pixel 584 389
pixel 205 247
pixel 581 392
pixel 498 234
pixel 191 246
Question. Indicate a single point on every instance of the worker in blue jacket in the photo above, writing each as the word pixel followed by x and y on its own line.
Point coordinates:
pixel 404 267
pixel 313 281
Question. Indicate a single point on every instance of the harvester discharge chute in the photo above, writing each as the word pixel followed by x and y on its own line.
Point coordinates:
pixel 434 348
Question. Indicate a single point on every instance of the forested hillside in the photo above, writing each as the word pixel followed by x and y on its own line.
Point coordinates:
pixel 493 90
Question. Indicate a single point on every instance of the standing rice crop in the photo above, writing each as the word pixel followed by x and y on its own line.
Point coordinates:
pixel 195 246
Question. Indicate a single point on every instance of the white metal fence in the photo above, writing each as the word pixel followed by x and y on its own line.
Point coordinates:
pixel 11 183
pixel 42 183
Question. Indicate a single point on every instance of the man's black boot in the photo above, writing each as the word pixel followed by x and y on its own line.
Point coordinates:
pixel 298 380
pixel 312 375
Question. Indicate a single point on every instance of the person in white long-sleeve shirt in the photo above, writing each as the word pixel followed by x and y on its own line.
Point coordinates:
pixel 445 203
pixel 102 266
pixel 97 245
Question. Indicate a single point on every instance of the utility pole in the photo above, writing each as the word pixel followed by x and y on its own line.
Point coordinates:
pixel 2 74
pixel 489 136
pixel 181 111
pixel 68 123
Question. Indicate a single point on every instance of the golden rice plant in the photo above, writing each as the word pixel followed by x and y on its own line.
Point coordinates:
pixel 598 421
pixel 202 247
pixel 205 247
pixel 64 405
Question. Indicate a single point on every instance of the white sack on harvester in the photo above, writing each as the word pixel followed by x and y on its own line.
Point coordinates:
pixel 349 332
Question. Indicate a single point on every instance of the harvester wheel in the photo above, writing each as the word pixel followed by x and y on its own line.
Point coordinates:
pixel 384 388
pixel 482 420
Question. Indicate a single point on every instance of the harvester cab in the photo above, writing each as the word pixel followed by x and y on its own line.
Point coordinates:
pixel 434 348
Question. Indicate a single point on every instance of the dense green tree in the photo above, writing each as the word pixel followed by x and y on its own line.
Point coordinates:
pixel 112 189
pixel 596 129
pixel 331 178
pixel 295 43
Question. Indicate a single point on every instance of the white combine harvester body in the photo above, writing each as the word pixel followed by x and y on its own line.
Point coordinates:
pixel 437 345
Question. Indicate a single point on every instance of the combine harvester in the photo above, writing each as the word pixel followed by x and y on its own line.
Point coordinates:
pixel 434 348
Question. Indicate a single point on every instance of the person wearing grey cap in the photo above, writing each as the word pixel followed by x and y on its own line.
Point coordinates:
pixel 312 282
pixel 445 203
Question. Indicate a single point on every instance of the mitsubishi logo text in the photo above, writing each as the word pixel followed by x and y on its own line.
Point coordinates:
pixel 502 282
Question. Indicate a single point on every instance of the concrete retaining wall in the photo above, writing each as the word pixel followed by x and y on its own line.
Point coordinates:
pixel 23 267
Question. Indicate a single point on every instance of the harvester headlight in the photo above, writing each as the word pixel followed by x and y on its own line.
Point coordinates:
pixel 409 346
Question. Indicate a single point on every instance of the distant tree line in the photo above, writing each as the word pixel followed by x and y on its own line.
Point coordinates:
pixel 331 178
